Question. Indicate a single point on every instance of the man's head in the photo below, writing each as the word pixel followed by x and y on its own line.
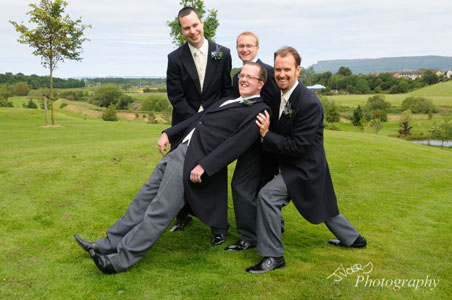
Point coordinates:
pixel 287 68
pixel 252 78
pixel 191 26
pixel 247 46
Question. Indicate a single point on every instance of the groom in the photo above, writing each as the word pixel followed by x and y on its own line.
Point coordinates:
pixel 198 75
pixel 195 168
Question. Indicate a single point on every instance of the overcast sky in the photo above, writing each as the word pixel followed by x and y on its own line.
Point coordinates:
pixel 131 38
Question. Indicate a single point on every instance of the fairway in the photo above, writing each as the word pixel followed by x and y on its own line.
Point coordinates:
pixel 80 178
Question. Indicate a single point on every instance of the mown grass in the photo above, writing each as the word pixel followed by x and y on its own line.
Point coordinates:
pixel 82 177
pixel 440 94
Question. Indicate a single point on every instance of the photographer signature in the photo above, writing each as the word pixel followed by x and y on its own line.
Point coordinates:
pixel 342 272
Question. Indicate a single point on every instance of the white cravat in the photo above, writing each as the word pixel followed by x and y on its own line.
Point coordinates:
pixel 285 98
pixel 282 105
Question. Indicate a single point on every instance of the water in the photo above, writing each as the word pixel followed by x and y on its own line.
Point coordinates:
pixel 434 143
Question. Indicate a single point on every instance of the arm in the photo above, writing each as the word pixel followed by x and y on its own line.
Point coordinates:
pixel 175 90
pixel 303 133
pixel 227 89
pixel 231 148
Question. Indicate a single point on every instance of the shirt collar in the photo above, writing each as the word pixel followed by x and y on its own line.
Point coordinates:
pixel 254 60
pixel 203 49
pixel 289 93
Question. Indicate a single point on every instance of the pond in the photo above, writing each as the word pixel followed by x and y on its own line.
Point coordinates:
pixel 433 143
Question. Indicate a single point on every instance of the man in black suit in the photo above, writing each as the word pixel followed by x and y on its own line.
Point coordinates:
pixel 296 140
pixel 195 168
pixel 248 171
pixel 198 74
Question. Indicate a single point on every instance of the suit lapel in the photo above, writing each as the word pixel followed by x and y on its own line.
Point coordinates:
pixel 211 66
pixel 189 64
pixel 233 105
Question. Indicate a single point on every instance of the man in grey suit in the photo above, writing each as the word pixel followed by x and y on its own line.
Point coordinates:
pixel 195 168
pixel 302 173
pixel 198 75
pixel 248 173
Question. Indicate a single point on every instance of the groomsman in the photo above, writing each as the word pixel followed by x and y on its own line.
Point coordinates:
pixel 247 177
pixel 296 140
pixel 198 74
pixel 194 171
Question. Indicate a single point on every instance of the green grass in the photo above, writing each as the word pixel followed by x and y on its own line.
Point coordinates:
pixel 82 177
pixel 440 94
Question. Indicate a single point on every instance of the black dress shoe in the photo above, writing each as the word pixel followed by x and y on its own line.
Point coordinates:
pixel 85 244
pixel 360 242
pixel 102 262
pixel 218 239
pixel 267 264
pixel 180 224
pixel 240 245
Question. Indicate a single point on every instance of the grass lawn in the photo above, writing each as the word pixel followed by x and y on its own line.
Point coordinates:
pixel 81 178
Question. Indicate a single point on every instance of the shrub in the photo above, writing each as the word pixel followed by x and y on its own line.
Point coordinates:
pixel 5 103
pixel 110 113
pixel 21 89
pixel 374 125
pixel 107 94
pixel 357 115
pixel 418 105
pixel 30 104
pixel 404 124
pixel 442 132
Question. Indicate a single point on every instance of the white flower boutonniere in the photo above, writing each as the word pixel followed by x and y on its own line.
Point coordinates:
pixel 217 54
pixel 287 110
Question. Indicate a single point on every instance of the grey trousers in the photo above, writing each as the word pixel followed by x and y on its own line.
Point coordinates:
pixel 271 199
pixel 149 215
pixel 244 186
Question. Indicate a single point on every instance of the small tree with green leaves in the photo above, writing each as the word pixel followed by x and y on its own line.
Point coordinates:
pixel 374 125
pixel 110 113
pixel 210 23
pixel 404 124
pixel 442 132
pixel 55 38
pixel 30 104
pixel 357 115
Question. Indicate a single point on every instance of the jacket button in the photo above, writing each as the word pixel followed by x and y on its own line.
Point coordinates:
pixel 200 122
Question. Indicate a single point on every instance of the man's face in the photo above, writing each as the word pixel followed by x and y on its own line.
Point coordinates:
pixel 286 74
pixel 248 84
pixel 193 29
pixel 247 48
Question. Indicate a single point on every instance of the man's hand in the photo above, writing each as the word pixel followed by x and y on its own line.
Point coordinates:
pixel 163 143
pixel 263 122
pixel 196 173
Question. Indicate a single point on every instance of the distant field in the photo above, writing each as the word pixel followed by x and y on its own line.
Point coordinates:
pixel 440 94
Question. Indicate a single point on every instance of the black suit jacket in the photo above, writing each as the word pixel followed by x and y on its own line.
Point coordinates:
pixel 297 143
pixel 222 134
pixel 183 85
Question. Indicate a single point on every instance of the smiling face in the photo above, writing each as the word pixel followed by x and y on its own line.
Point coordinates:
pixel 248 84
pixel 247 47
pixel 286 73
pixel 193 29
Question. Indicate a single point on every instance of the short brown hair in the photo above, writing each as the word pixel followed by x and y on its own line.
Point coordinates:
pixel 186 11
pixel 247 33
pixel 286 50
pixel 262 72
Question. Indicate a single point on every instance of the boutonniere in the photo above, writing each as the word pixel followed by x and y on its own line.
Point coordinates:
pixel 217 54
pixel 287 110
pixel 247 102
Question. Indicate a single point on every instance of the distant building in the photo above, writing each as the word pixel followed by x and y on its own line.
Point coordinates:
pixel 316 87
pixel 449 74
pixel 408 74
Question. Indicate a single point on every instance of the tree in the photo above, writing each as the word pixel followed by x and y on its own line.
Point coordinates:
pixel 21 89
pixel 55 38
pixel 110 113
pixel 404 124
pixel 357 116
pixel 418 104
pixel 344 71
pixel 307 75
pixel 430 78
pixel 210 23
pixel 362 86
pixel 107 94
pixel 442 132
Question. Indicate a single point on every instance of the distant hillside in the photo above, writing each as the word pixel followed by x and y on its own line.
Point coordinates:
pixel 442 89
pixel 385 64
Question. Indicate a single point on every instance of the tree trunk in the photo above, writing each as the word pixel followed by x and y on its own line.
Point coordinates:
pixel 45 110
pixel 51 94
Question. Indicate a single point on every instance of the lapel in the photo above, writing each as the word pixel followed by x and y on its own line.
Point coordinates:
pixel 233 105
pixel 293 102
pixel 211 65
pixel 189 64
